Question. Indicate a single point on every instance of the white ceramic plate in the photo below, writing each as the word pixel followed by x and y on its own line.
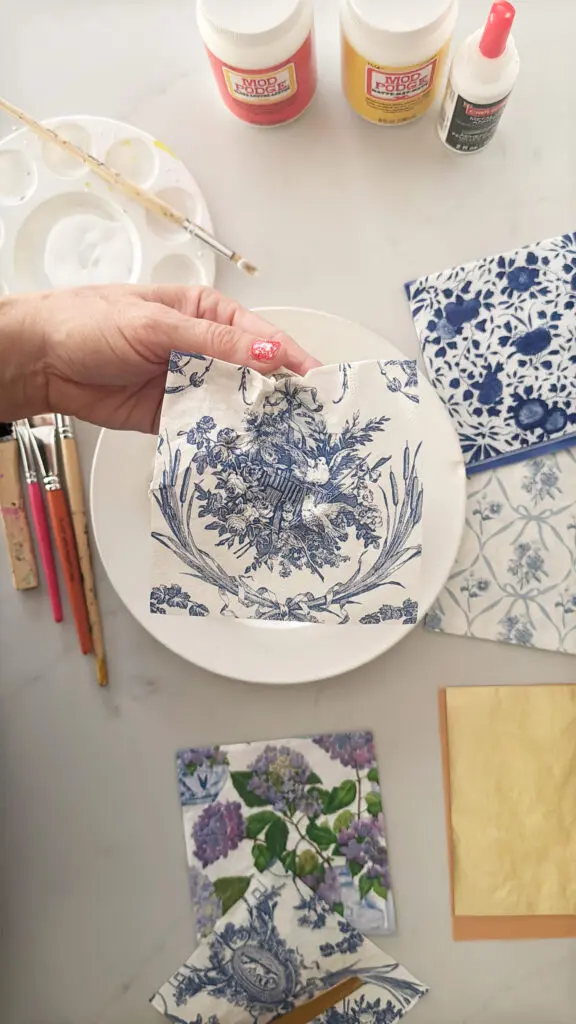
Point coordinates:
pixel 274 652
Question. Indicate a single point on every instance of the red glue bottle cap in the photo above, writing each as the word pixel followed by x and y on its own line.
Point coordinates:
pixel 497 29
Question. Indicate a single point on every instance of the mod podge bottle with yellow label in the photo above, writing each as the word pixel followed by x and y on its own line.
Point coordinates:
pixel 393 56
pixel 262 56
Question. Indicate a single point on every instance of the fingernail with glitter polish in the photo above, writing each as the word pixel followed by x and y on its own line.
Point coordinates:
pixel 264 351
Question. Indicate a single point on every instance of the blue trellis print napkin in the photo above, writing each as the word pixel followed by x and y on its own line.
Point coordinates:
pixel 310 807
pixel 515 576
pixel 276 949
pixel 288 498
pixel 497 339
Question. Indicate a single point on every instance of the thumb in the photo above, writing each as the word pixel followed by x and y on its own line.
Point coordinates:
pixel 231 344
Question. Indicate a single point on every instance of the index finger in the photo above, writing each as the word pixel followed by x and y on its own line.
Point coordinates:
pixel 209 304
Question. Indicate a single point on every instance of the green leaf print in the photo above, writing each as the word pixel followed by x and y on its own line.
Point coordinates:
pixel 229 890
pixel 322 835
pixel 373 776
pixel 338 908
pixel 261 856
pixel 373 804
pixel 380 890
pixel 307 863
pixel 313 780
pixel 354 867
pixel 240 782
pixel 343 820
pixel 289 861
pixel 256 823
pixel 341 796
pixel 365 885
pixel 276 837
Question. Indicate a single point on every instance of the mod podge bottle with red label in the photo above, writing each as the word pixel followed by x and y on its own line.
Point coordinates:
pixel 262 56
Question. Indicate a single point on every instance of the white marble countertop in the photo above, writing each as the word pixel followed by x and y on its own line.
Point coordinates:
pixel 95 907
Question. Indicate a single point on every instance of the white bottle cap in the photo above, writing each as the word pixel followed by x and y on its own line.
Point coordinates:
pixel 391 16
pixel 256 21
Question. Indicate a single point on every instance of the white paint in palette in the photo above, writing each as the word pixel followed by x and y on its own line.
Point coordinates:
pixel 86 249
pixel 60 226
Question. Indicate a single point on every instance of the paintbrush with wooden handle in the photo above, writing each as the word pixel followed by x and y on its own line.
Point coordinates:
pixel 13 513
pixel 116 180
pixel 75 491
pixel 42 433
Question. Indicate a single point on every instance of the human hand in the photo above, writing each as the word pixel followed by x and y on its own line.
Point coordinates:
pixel 101 353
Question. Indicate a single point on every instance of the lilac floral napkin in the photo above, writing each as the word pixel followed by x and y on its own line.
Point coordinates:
pixel 497 339
pixel 277 948
pixel 310 808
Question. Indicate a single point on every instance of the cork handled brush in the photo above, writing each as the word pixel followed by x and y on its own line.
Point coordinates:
pixel 116 180
pixel 13 514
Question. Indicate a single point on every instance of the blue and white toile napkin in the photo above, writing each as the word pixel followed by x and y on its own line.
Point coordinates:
pixel 276 949
pixel 497 339
pixel 514 579
pixel 288 498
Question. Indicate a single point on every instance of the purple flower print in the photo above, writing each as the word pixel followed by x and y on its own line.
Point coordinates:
pixel 219 829
pixel 280 776
pixel 362 843
pixel 330 889
pixel 207 905
pixel 201 757
pixel 352 749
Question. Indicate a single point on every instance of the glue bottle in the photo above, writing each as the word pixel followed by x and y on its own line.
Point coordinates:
pixel 483 73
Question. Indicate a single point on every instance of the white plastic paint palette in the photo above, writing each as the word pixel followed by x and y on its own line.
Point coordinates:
pixel 61 226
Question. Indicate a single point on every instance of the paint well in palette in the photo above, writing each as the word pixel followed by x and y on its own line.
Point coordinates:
pixel 88 249
pixel 18 177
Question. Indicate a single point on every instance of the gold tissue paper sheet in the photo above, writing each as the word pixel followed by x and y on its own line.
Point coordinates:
pixel 512 762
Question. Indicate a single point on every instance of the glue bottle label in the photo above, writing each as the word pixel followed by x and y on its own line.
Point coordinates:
pixel 390 94
pixel 466 126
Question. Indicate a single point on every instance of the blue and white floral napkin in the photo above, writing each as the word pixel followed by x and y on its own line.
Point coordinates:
pixel 288 498
pixel 498 341
pixel 277 949
pixel 514 579
pixel 308 807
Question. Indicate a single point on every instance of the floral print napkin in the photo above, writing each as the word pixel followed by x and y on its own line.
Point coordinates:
pixel 308 807
pixel 288 498
pixel 497 339
pixel 514 579
pixel 276 949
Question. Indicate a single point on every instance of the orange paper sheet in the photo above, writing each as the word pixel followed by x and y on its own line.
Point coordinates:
pixel 509 758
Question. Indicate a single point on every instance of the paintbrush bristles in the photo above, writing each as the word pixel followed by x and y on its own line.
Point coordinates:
pixel 129 188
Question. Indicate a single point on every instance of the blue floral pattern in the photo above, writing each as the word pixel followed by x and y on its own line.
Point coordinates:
pixel 264 958
pixel 297 506
pixel 497 341
pixel 515 576
pixel 310 809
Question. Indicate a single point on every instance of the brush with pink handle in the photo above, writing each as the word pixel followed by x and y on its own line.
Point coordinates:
pixel 39 519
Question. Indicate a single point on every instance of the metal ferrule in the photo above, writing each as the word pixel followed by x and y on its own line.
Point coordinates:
pixel 51 483
pixel 64 427
pixel 26 454
pixel 44 448
pixel 208 239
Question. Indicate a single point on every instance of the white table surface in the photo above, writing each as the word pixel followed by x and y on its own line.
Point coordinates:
pixel 95 908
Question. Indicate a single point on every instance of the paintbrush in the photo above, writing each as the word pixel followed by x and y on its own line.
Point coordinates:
pixel 13 512
pixel 42 433
pixel 36 501
pixel 75 491
pixel 130 188
pixel 325 1001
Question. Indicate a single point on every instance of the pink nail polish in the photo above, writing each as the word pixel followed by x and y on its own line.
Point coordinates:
pixel 264 350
